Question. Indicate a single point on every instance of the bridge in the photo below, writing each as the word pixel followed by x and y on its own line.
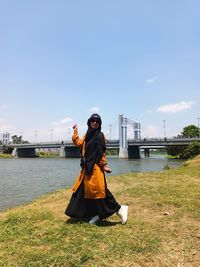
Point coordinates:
pixel 126 148
pixel 68 149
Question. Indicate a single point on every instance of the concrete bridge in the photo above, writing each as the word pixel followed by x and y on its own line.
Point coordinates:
pixel 133 149
pixel 126 148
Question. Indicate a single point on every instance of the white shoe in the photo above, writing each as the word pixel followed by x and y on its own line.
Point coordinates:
pixel 123 214
pixel 94 219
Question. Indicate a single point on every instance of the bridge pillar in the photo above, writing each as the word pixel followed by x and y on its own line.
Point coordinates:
pixel 62 152
pixel 133 152
pixel 14 152
pixel 146 152
pixel 72 152
pixel 24 152
pixel 123 153
pixel 123 143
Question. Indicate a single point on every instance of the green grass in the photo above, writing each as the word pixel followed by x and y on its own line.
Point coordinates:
pixel 6 156
pixel 48 154
pixel 162 230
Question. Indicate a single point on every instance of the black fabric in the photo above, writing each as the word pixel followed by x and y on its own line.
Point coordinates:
pixel 80 207
pixel 95 146
pixel 77 204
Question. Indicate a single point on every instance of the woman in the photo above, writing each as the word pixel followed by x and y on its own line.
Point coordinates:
pixel 91 197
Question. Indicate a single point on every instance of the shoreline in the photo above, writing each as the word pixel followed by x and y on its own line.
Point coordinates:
pixel 26 195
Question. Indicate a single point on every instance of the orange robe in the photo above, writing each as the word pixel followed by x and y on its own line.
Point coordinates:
pixel 94 184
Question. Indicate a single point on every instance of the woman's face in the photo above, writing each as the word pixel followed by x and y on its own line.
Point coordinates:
pixel 94 123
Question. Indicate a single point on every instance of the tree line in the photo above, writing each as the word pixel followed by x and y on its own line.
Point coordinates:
pixel 186 152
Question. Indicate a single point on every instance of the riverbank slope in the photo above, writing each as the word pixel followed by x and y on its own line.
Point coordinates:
pixel 162 230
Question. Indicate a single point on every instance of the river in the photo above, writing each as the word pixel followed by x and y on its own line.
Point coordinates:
pixel 23 179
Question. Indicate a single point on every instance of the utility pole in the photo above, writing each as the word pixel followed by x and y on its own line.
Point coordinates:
pixel 198 126
pixel 164 129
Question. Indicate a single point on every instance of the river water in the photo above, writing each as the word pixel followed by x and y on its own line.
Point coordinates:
pixel 23 179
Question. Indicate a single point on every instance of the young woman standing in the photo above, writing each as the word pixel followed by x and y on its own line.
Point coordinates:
pixel 91 198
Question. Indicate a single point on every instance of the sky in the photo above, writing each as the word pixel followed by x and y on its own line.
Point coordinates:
pixel 62 60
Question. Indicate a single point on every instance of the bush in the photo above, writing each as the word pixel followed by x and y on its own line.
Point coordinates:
pixel 175 150
pixel 7 150
pixel 191 151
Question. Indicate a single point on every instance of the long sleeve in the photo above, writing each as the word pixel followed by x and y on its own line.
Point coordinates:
pixel 77 140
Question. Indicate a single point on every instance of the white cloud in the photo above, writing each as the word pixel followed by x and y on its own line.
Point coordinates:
pixel 63 121
pixel 152 79
pixel 177 107
pixel 94 109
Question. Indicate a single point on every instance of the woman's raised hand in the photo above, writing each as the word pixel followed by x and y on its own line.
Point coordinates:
pixel 75 127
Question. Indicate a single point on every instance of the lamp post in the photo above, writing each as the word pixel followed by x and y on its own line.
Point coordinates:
pixel 164 129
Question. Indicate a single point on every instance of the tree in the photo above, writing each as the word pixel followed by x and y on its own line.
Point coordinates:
pixel 190 131
pixel 7 150
pixel 175 151
pixel 18 140
pixel 191 151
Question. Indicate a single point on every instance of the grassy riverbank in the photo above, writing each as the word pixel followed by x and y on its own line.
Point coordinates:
pixel 5 156
pixel 163 228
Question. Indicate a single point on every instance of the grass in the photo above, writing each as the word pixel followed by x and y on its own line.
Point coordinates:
pixel 48 154
pixel 5 156
pixel 163 227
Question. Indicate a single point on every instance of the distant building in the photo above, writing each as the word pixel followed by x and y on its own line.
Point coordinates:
pixel 5 138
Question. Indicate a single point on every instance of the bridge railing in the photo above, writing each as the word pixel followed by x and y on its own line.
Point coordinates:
pixel 110 143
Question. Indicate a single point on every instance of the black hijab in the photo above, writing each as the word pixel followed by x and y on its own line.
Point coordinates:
pixel 95 145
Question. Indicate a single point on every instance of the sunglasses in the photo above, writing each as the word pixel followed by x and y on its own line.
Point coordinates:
pixel 95 120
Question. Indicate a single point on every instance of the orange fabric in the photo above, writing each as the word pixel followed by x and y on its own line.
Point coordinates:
pixel 94 184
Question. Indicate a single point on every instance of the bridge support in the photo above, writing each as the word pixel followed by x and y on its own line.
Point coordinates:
pixel 123 143
pixel 62 152
pixel 72 152
pixel 146 152
pixel 133 152
pixel 124 150
pixel 24 152
pixel 14 152
pixel 123 153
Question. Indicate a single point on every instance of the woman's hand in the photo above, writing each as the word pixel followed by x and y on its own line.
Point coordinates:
pixel 107 169
pixel 75 127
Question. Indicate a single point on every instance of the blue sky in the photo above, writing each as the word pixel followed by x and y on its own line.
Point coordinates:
pixel 60 61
